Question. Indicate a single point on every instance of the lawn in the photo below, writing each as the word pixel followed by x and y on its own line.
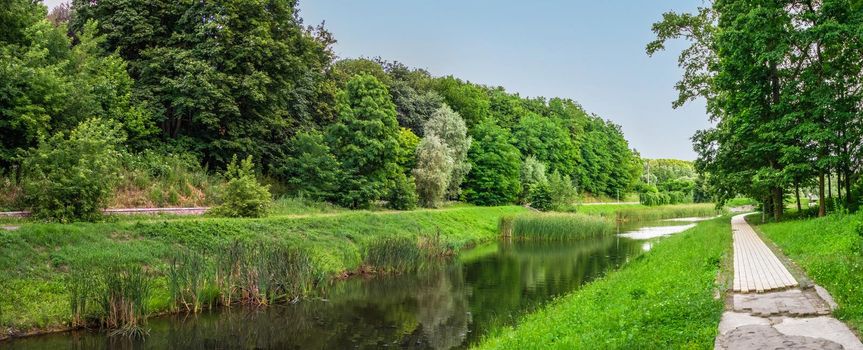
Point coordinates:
pixel 663 299
pixel 830 251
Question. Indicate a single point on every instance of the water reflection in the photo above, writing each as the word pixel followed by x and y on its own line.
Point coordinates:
pixel 447 308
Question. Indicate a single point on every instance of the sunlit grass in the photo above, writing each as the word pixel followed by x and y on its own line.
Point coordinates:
pixel 555 226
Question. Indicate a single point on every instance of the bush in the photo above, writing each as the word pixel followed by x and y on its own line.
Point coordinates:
pixel 72 178
pixel 243 196
pixel 402 194
pixel 541 197
pixel 563 193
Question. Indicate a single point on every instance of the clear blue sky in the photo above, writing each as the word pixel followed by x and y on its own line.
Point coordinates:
pixel 590 51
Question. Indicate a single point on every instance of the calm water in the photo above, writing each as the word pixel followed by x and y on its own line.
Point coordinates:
pixel 449 307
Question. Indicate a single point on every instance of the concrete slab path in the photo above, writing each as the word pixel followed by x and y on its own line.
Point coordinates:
pixel 768 310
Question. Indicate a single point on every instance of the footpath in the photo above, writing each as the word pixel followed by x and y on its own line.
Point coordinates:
pixel 770 309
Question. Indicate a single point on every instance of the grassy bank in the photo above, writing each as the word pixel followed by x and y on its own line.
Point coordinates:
pixel 663 299
pixel 554 226
pixel 630 213
pixel 830 250
pixel 39 261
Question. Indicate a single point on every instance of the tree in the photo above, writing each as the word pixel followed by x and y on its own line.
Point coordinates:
pixel 47 85
pixel 223 76
pixel 495 167
pixel 563 193
pixel 71 178
pixel 365 141
pixel 243 195
pixel 548 141
pixel 448 125
pixel 532 172
pixel 408 142
pixel 311 170
pixel 414 108
pixel 433 171
pixel 470 101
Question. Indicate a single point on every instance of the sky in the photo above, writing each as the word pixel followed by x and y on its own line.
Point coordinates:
pixel 589 51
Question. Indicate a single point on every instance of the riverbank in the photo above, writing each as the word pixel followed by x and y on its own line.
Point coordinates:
pixel 38 259
pixel 830 251
pixel 663 299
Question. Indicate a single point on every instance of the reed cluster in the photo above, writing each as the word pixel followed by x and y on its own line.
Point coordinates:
pixel 555 227
pixel 115 298
pixel 667 212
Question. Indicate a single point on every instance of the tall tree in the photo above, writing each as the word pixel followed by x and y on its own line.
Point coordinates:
pixel 365 141
pixel 495 174
pixel 224 77
pixel 452 131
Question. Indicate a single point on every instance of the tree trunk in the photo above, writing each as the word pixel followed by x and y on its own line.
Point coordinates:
pixel 778 204
pixel 839 184
pixel 797 194
pixel 822 208
pixel 829 185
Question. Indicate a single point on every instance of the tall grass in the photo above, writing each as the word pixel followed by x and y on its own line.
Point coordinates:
pixel 399 254
pixel 190 280
pixel 556 227
pixel 150 179
pixel 667 212
pixel 114 298
pixel 261 273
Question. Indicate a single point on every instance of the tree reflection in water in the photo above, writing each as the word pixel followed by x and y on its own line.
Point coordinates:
pixel 447 307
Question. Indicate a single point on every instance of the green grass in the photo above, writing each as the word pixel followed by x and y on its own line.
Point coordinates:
pixel 555 226
pixel 663 299
pixel 37 259
pixel 740 201
pixel 638 212
pixel 830 251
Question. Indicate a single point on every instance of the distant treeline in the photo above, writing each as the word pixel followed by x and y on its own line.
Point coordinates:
pixel 214 79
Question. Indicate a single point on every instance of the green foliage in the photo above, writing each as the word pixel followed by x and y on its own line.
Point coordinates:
pixel 563 193
pixel 235 84
pixel 71 178
pixel 401 193
pixel 433 171
pixel 664 299
pixel 495 167
pixel 243 195
pixel 407 155
pixel 532 172
pixel 608 166
pixel 448 125
pixel 540 196
pixel 311 170
pixel 548 141
pixel 469 100
pixel 778 81
pixel 365 141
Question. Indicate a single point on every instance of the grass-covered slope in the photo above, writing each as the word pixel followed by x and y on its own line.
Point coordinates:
pixel 830 250
pixel 36 260
pixel 661 300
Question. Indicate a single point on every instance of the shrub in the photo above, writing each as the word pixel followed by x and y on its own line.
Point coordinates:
pixel 541 197
pixel 532 172
pixel 243 195
pixel 402 194
pixel 311 169
pixel 563 193
pixel 72 178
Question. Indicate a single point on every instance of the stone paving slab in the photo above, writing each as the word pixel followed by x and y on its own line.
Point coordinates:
pixel 756 268
pixel 794 302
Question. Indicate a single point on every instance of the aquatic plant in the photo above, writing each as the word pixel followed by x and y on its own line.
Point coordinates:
pixel 557 227
pixel 666 212
pixel 124 300
pixel 393 254
pixel 188 276
pixel 261 273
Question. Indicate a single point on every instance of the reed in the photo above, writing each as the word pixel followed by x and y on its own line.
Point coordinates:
pixel 260 273
pixel 557 227
pixel 189 275
pixel 667 212
pixel 124 300
pixel 393 254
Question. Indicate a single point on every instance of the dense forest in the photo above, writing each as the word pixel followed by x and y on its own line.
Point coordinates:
pixel 783 81
pixel 147 85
